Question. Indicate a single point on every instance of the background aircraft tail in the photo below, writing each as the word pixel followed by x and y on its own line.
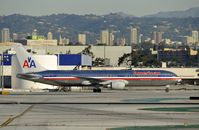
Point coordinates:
pixel 27 62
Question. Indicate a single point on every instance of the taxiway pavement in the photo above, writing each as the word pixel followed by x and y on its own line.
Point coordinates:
pixel 96 111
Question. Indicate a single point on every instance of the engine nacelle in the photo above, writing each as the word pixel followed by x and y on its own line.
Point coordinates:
pixel 117 85
pixel 86 83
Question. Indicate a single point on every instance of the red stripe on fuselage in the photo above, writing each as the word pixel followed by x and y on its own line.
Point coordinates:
pixel 116 78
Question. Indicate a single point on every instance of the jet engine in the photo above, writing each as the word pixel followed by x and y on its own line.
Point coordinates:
pixel 117 85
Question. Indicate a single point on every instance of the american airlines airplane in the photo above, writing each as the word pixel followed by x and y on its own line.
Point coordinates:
pixel 114 79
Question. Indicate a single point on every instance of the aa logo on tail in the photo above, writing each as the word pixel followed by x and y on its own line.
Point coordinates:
pixel 29 63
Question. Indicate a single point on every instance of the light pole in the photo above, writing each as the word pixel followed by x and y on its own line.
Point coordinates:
pixel 0 71
pixel 2 78
pixel 104 54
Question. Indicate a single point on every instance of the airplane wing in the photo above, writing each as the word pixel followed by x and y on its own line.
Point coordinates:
pixel 95 81
pixel 113 84
pixel 92 80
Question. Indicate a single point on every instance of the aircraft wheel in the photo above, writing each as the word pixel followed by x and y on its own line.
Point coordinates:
pixel 167 88
pixel 94 90
pixel 97 90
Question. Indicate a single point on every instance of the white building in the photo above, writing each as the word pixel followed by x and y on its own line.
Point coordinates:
pixel 195 36
pixel 157 37
pixel 5 35
pixel 41 42
pixel 133 35
pixel 50 36
pixel 82 39
pixel 104 37
pixel 122 41
pixel 111 39
pixel 107 38
pixel 66 41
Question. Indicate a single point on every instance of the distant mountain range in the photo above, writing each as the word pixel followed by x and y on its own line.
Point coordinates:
pixel 192 12
pixel 69 25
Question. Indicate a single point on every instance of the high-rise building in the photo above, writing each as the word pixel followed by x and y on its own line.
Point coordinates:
pixel 111 39
pixel 141 38
pixel 187 39
pixel 50 36
pixel 107 38
pixel 133 35
pixel 157 37
pixel 14 36
pixel 122 41
pixel 60 40
pixel 104 37
pixel 82 39
pixel 5 35
pixel 66 41
pixel 195 36
pixel 154 35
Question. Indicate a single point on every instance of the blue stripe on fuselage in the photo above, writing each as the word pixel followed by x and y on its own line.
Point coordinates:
pixel 106 73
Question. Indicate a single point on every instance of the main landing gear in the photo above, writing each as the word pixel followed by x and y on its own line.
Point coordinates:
pixel 97 90
pixel 167 88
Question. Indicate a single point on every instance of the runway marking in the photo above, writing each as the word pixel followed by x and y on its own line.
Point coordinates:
pixel 9 120
pixel 172 109
pixel 161 127
pixel 153 100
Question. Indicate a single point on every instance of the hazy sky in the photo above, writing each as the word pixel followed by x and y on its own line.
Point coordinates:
pixel 99 7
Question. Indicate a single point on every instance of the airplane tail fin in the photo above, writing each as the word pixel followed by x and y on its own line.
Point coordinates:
pixel 27 62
